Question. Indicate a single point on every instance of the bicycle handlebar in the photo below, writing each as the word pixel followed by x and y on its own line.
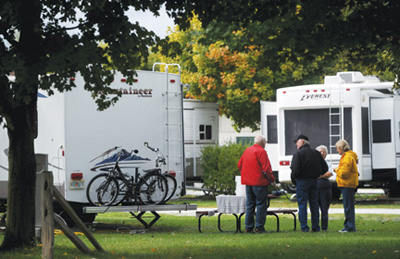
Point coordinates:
pixel 160 156
pixel 152 149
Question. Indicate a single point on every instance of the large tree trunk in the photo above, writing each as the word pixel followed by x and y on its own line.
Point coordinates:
pixel 22 129
pixel 20 228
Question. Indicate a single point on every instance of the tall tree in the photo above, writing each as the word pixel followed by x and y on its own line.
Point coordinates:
pixel 44 43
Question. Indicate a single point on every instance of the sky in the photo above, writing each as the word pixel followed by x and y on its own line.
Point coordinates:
pixel 157 24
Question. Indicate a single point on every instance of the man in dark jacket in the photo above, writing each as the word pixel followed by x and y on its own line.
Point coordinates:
pixel 307 165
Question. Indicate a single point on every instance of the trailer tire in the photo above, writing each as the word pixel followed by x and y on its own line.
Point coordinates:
pixel 290 188
pixel 87 218
pixel 394 190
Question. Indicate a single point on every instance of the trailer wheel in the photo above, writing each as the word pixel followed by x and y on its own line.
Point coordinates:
pixel 394 190
pixel 290 188
pixel 78 208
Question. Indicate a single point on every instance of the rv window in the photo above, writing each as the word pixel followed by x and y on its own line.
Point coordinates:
pixel 365 130
pixel 272 129
pixel 208 132
pixel 205 132
pixel 314 123
pixel 381 132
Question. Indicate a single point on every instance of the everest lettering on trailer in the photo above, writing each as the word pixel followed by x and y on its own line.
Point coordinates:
pixel 314 97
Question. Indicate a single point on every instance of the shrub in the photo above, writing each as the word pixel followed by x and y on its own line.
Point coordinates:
pixel 219 165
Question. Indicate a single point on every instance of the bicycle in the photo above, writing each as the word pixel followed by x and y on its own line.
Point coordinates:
pixel 114 187
pixel 169 175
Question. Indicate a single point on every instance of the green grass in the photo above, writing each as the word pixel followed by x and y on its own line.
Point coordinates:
pixel 177 237
pixel 378 236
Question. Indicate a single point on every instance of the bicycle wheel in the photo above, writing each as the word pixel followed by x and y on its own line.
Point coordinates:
pixel 153 188
pixel 122 191
pixel 102 190
pixel 172 184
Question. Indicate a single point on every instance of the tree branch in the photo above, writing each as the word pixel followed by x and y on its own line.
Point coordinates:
pixel 70 28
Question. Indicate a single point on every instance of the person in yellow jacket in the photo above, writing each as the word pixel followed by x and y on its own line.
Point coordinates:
pixel 347 181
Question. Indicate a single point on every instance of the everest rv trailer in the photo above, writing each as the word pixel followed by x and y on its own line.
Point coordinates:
pixel 72 132
pixel 360 109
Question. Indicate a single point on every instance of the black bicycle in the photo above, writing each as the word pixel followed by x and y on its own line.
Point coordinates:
pixel 115 187
pixel 169 175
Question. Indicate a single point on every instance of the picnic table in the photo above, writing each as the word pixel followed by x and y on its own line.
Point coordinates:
pixel 236 206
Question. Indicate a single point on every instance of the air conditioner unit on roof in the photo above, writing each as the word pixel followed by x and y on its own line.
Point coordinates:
pixel 333 80
pixel 352 76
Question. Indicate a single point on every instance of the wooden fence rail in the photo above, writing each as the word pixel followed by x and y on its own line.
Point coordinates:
pixel 48 192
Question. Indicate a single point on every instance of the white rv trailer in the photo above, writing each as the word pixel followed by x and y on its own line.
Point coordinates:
pixel 350 106
pixel 72 131
pixel 201 129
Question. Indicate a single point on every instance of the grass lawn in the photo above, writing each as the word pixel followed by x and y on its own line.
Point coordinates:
pixel 175 236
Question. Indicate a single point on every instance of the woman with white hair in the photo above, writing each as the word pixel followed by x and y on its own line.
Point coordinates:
pixel 347 181
pixel 324 190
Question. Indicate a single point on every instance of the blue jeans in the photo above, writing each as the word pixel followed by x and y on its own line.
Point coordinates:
pixel 307 191
pixel 349 208
pixel 256 196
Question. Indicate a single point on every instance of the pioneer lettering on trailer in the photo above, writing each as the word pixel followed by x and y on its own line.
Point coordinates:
pixel 314 96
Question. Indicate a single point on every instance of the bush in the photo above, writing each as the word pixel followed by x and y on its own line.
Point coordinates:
pixel 219 165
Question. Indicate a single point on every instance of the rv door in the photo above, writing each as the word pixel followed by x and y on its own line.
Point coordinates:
pixel 269 129
pixel 382 133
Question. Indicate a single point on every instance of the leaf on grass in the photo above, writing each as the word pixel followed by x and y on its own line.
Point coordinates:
pixel 374 252
pixel 153 249
pixel 287 245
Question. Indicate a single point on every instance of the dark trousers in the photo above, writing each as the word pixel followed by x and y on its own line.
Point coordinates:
pixel 256 197
pixel 307 191
pixel 324 201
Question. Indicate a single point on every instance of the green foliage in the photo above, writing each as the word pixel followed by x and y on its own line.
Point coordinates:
pixel 236 54
pixel 219 165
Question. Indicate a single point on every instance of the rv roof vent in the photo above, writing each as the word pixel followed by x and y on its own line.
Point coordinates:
pixel 352 76
pixel 372 79
pixel 333 80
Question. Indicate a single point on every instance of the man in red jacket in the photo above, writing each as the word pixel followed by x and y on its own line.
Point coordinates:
pixel 256 173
